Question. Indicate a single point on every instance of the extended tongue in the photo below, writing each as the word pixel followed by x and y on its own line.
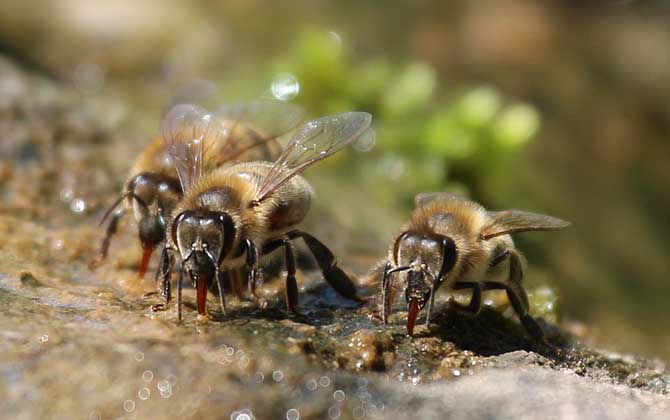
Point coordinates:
pixel 148 249
pixel 412 313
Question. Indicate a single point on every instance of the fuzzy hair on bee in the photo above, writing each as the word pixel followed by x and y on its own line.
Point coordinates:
pixel 233 133
pixel 236 215
pixel 455 243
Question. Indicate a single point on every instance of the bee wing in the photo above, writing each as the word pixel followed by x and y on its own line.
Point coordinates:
pixel 184 129
pixel 268 120
pixel 512 221
pixel 198 91
pixel 422 199
pixel 314 141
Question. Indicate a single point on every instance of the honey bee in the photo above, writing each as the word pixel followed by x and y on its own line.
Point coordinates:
pixel 236 215
pixel 233 133
pixel 453 241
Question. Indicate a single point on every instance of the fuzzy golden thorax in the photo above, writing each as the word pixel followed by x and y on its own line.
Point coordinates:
pixel 232 191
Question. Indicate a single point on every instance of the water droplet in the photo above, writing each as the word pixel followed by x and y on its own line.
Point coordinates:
pixel 259 377
pixel 58 244
pixel 144 393
pixel 167 394
pixel 163 386
pixel 78 205
pixel 247 412
pixel 324 381
pixel 230 351
pixel 277 375
pixel 311 384
pixel 139 356
pixel 242 416
pixel 335 38
pixel 334 412
pixel 456 372
pixel 148 376
pixel 339 395
pixel 66 194
pixel 44 338
pixel 292 414
pixel 285 87
pixel 129 406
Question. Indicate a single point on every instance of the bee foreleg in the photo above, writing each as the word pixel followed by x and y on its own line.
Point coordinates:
pixel 109 232
pixel 236 280
pixel 291 284
pixel 386 293
pixel 475 304
pixel 179 292
pixel 163 274
pixel 252 265
pixel 333 274
pixel 219 284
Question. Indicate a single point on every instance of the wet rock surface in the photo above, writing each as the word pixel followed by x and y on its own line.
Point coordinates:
pixel 77 343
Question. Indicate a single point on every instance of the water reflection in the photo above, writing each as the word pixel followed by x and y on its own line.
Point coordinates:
pixel 285 87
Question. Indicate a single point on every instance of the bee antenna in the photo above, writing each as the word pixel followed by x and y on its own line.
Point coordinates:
pixel 118 201
pixel 431 298
pixel 399 268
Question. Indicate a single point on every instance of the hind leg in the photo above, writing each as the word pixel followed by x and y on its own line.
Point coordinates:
pixel 333 274
pixel 475 304
pixel 517 296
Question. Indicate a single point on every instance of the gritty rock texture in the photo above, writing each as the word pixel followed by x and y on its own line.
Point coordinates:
pixel 77 343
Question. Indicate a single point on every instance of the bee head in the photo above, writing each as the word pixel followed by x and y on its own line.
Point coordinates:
pixel 427 259
pixel 203 232
pixel 151 195
pixel 203 238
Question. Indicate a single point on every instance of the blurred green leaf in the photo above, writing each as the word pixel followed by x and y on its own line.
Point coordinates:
pixel 410 90
pixel 517 125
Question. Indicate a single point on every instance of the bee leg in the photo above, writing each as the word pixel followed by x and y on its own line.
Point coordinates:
pixel 219 283
pixel 333 274
pixel 475 304
pixel 387 293
pixel 236 282
pixel 179 293
pixel 252 265
pixel 291 284
pixel 109 232
pixel 163 274
pixel 518 301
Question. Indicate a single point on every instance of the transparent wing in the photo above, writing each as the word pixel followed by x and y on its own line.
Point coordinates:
pixel 198 91
pixel 422 199
pixel 512 221
pixel 314 141
pixel 254 124
pixel 184 129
